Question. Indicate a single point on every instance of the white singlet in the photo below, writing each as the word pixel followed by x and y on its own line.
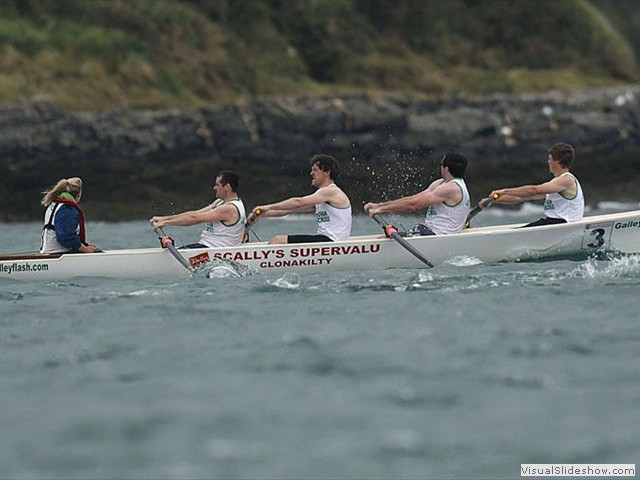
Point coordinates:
pixel 557 205
pixel 442 218
pixel 217 234
pixel 333 222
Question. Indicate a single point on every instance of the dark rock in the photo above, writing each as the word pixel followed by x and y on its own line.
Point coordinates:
pixel 170 157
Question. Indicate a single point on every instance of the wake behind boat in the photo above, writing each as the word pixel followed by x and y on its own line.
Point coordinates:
pixel 619 233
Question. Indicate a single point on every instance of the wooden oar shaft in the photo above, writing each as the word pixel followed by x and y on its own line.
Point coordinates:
pixel 172 248
pixel 393 233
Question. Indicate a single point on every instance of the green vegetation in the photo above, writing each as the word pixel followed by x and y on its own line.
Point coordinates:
pixel 94 54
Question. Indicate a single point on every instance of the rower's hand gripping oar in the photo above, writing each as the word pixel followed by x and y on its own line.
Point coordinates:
pixel 167 242
pixel 486 204
pixel 252 218
pixel 391 231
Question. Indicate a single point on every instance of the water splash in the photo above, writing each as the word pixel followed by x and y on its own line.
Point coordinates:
pixel 464 261
pixel 620 267
pixel 395 173
pixel 222 271
pixel 424 276
pixel 222 268
pixel 289 281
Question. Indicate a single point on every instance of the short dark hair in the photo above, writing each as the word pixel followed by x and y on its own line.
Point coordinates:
pixel 456 162
pixel 326 163
pixel 562 153
pixel 231 178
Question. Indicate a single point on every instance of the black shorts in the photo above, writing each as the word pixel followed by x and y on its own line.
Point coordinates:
pixel 545 221
pixel 307 238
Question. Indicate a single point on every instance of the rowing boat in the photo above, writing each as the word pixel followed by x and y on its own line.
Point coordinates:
pixel 618 233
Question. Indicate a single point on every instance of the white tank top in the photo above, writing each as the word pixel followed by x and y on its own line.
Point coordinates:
pixel 443 218
pixel 557 205
pixel 333 222
pixel 217 234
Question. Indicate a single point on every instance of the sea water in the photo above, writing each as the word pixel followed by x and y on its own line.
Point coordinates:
pixel 467 370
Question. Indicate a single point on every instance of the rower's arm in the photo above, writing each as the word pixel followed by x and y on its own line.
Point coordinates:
pixel 505 199
pixel 222 213
pixel 293 205
pixel 532 192
pixel 284 209
pixel 430 196
pixel 283 212
pixel 211 206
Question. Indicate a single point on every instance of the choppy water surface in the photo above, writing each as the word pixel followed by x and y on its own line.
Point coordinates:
pixel 463 371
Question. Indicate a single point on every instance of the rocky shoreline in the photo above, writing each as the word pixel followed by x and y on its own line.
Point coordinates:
pixel 136 162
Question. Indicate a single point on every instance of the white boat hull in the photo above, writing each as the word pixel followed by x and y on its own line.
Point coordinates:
pixel 605 233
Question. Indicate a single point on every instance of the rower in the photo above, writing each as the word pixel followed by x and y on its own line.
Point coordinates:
pixel 563 197
pixel 447 200
pixel 224 219
pixel 331 205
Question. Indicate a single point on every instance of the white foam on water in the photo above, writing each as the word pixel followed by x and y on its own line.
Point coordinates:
pixel 223 271
pixel 464 261
pixel 622 267
pixel 221 268
pixel 424 276
pixel 143 293
pixel 136 293
pixel 289 281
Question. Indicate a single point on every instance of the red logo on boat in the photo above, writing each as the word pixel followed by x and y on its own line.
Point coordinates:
pixel 198 260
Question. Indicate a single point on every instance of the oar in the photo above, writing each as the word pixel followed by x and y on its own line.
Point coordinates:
pixel 391 231
pixel 251 219
pixel 487 203
pixel 167 242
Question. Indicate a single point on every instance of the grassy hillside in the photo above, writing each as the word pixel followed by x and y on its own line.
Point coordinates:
pixel 93 54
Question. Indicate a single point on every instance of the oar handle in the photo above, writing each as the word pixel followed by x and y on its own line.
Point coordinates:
pixel 253 218
pixel 392 231
pixel 165 240
pixel 487 203
pixel 491 200
pixel 387 228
